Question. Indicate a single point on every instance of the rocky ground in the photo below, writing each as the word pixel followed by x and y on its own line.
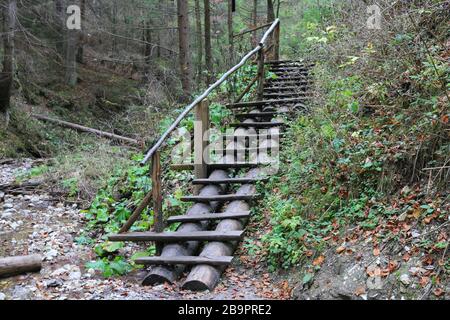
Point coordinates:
pixel 37 223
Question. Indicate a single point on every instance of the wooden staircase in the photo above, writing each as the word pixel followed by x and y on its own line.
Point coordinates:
pixel 211 229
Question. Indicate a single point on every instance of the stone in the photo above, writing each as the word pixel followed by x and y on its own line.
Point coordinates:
pixel 405 279
pixel 53 283
pixel 2 296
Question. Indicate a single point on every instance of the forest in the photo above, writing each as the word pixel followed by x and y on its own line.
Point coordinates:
pixel 224 150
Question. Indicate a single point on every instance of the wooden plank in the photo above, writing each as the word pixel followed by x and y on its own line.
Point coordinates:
pixel 157 198
pixel 208 217
pixel 201 138
pixel 247 89
pixel 137 212
pixel 284 79
pixel 237 165
pixel 221 198
pixel 257 124
pixel 284 95
pixel 185 260
pixel 292 88
pixel 263 102
pixel 178 236
pixel 261 114
pixel 229 181
pixel 261 74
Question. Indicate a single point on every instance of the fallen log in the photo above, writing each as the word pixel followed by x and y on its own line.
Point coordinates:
pixel 12 266
pixel 81 128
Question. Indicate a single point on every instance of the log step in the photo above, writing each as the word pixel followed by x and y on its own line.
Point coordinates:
pixel 264 102
pixel 221 198
pixel 265 136
pixel 287 78
pixel 284 95
pixel 178 236
pixel 257 124
pixel 237 165
pixel 185 260
pixel 294 89
pixel 208 217
pixel 261 114
pixel 228 181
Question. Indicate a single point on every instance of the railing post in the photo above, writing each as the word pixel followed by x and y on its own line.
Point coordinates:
pixel 201 140
pixel 276 48
pixel 261 74
pixel 157 198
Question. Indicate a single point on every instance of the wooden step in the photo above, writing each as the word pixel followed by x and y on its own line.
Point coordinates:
pixel 265 136
pixel 284 79
pixel 264 102
pixel 277 62
pixel 257 124
pixel 178 236
pixel 261 114
pixel 185 260
pixel 293 89
pixel 209 217
pixel 221 198
pixel 228 181
pixel 237 165
pixel 298 84
pixel 256 150
pixel 284 95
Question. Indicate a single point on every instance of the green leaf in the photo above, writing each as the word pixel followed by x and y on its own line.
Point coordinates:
pixel 308 278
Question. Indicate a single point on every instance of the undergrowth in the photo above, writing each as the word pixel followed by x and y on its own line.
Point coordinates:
pixel 357 160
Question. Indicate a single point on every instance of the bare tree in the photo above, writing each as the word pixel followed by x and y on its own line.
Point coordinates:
pixel 199 34
pixel 208 47
pixel 270 11
pixel 80 52
pixel 7 75
pixel 183 40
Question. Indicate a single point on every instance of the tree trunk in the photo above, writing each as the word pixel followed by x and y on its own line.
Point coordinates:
pixel 208 47
pixel 270 11
pixel 71 58
pixel 80 52
pixel 7 75
pixel 230 33
pixel 254 19
pixel 183 40
pixel 60 27
pixel 199 34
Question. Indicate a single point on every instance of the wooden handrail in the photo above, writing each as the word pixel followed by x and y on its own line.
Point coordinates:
pixel 240 34
pixel 205 94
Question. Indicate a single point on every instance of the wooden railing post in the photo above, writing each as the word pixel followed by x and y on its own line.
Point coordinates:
pixel 157 198
pixel 201 140
pixel 261 74
pixel 276 48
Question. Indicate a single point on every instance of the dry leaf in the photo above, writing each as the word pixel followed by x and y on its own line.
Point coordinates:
pixel 376 252
pixel 416 213
pixel 438 292
pixel 318 261
pixel 360 291
pixel 424 281
pixel 340 249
